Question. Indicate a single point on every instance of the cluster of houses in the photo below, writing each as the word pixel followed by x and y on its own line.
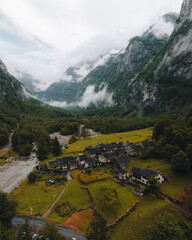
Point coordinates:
pixel 114 154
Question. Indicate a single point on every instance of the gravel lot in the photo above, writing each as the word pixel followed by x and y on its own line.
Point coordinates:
pixel 14 172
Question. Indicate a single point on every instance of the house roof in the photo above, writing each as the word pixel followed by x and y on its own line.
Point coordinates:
pixel 73 163
pixel 68 158
pixel 62 162
pixel 82 157
pixel 90 160
pixel 108 155
pixel 91 150
pixel 122 171
pixel 122 160
pixel 147 172
pixel 108 147
pixel 43 166
pixel 53 164
pixel 117 144
pixel 120 151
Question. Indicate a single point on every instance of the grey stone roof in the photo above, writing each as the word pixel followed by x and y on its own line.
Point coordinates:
pixel 82 157
pixel 43 167
pixel 53 164
pixel 122 171
pixel 147 172
pixel 90 160
pixel 123 161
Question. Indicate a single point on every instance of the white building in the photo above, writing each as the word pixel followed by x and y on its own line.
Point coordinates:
pixel 143 175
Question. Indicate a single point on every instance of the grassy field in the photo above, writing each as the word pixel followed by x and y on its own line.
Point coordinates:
pixel 74 194
pixel 179 180
pixel 35 198
pixel 133 227
pixel 132 136
pixel 96 174
pixel 125 198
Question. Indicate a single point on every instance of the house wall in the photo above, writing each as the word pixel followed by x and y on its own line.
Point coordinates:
pixel 159 178
pixel 73 167
pixel 143 180
pixel 102 159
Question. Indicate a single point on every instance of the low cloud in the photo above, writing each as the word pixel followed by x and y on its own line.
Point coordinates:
pixel 89 97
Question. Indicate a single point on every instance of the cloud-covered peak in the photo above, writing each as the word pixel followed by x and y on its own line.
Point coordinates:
pixel 164 26
pixel 80 71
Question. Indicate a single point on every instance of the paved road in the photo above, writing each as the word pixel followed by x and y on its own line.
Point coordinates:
pixel 8 145
pixel 69 233
pixel 45 215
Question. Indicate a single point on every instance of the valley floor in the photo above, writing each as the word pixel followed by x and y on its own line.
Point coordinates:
pixel 36 199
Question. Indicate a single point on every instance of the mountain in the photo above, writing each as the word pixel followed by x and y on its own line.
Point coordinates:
pixel 10 87
pixel 119 73
pixel 106 81
pixel 166 82
pixel 66 90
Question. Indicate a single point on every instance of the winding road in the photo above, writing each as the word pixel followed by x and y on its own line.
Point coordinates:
pixel 69 233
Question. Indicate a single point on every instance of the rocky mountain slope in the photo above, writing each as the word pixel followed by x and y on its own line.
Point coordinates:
pixel 167 80
pixel 111 75
pixel 10 87
pixel 66 90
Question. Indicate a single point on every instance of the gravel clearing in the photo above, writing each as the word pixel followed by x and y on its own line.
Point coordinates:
pixel 13 173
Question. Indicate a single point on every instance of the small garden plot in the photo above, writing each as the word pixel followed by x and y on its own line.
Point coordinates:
pixel 76 194
pixel 96 174
pixel 65 209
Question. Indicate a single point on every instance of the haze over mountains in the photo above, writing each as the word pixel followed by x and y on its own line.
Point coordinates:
pixel 99 82
pixel 153 70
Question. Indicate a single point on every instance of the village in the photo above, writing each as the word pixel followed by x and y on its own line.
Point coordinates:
pixel 115 155
pixel 69 188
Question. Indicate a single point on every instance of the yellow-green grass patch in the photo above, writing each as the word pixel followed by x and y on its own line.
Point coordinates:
pixel 96 174
pixel 132 136
pixel 35 198
pixel 134 226
pixel 76 195
pixel 125 199
pixel 179 180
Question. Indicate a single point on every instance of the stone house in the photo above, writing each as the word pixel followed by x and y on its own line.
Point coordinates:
pixel 143 175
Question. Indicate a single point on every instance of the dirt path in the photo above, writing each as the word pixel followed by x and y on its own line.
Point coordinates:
pixel 45 215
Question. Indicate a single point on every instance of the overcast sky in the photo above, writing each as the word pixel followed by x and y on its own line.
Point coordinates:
pixel 49 35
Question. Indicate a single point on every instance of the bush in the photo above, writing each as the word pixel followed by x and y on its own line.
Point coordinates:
pixel 32 177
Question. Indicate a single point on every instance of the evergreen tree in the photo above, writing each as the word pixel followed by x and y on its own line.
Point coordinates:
pixel 97 229
pixel 7 210
pixel 181 162
pixel 56 147
pixel 170 227
pixel 50 231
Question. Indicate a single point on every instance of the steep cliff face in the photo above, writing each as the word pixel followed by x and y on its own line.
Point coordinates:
pixel 167 80
pixel 112 74
pixel 68 88
pixel 9 86
pixel 119 72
